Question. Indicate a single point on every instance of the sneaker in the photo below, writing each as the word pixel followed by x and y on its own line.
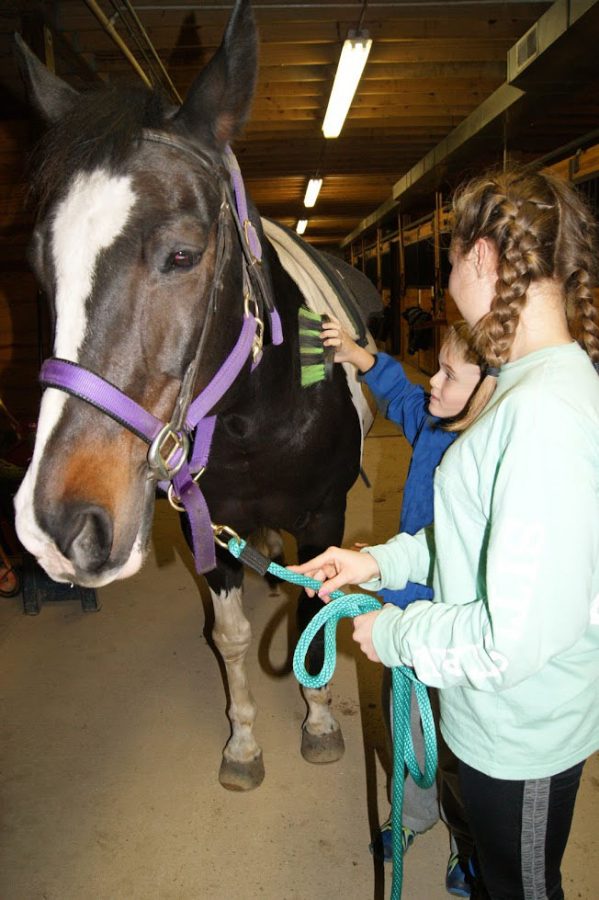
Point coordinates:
pixel 382 846
pixel 456 881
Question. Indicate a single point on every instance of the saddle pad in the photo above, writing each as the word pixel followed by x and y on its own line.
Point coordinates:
pixel 320 297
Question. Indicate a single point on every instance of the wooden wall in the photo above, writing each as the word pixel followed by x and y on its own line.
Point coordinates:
pixel 424 284
pixel 19 308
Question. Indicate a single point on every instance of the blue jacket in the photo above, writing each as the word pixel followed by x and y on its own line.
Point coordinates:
pixel 406 404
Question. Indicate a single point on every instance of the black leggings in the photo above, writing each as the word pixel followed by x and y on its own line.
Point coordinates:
pixel 520 831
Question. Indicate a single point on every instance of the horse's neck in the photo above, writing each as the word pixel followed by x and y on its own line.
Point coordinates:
pixel 275 382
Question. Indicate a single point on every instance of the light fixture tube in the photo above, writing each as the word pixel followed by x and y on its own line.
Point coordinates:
pixel 301 226
pixel 349 71
pixel 312 191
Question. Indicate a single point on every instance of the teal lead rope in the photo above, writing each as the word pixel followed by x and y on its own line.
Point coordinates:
pixel 403 679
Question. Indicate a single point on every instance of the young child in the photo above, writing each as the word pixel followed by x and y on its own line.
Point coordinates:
pixel 426 423
pixel 512 637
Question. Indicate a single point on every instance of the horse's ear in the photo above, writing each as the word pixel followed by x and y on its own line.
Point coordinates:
pixel 219 100
pixel 51 96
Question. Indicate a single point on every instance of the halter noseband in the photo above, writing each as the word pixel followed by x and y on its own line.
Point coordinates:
pixel 171 442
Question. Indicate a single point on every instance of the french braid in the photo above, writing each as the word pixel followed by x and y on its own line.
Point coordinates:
pixel 578 268
pixel 541 228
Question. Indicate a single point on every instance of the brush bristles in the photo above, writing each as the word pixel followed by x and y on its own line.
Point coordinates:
pixel 310 317
pixel 313 374
pixel 312 350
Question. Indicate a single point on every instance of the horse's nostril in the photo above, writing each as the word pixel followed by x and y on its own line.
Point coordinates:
pixel 86 537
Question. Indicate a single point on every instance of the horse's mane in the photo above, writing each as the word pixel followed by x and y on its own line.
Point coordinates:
pixel 99 130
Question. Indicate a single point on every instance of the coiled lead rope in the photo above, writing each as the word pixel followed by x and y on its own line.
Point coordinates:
pixel 403 681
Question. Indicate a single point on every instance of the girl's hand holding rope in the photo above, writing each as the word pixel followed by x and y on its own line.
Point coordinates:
pixel 336 568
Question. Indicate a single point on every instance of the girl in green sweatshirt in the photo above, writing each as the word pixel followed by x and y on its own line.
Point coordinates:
pixel 512 637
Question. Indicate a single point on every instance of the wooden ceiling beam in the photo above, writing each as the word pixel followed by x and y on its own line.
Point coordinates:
pixel 412 86
pixel 110 62
pixel 394 71
pixel 285 31
pixel 421 52
pixel 501 18
pixel 357 121
pixel 371 107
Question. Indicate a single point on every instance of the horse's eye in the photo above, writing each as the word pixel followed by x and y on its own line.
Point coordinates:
pixel 181 259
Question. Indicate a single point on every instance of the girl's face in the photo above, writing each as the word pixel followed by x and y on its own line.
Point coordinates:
pixel 453 385
pixel 472 280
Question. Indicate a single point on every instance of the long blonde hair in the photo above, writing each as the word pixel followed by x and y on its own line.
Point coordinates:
pixel 541 228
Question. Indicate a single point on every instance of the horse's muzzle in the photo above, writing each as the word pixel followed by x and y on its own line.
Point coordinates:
pixel 84 535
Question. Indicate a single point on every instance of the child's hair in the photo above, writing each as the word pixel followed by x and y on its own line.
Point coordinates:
pixel 458 342
pixel 541 228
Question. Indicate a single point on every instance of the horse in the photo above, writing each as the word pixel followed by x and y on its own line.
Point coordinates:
pixel 164 287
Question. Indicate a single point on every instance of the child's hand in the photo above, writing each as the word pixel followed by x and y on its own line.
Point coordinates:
pixel 336 568
pixel 362 635
pixel 346 349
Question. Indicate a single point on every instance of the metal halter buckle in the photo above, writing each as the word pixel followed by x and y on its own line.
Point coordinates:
pixel 168 452
pixel 248 240
pixel 217 530
pixel 258 341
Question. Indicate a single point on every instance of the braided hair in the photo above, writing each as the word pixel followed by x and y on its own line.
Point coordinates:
pixel 541 228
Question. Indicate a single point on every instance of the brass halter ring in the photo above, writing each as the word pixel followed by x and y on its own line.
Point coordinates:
pixel 175 501
pixel 217 530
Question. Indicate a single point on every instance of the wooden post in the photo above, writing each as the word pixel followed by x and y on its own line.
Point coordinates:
pixel 402 257
pixel 437 249
pixel 49 50
pixel 402 285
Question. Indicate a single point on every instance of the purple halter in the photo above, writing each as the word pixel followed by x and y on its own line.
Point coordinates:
pixel 170 443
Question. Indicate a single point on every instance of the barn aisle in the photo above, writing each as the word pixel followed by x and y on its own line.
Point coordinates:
pixel 112 726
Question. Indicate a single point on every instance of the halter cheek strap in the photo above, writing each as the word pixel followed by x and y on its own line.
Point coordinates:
pixel 168 454
pixel 250 243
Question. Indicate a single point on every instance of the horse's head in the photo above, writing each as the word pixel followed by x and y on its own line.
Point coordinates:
pixel 131 249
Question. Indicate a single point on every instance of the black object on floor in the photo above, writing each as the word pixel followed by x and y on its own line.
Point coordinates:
pixel 38 588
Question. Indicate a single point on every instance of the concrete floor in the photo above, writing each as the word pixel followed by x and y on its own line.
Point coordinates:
pixel 112 725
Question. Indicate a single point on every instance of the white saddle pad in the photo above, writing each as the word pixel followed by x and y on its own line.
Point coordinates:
pixel 320 298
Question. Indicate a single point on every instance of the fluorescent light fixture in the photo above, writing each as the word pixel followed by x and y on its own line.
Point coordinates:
pixel 312 191
pixel 301 226
pixel 349 71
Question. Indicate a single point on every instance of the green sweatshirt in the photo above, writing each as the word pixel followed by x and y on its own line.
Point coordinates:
pixel 512 637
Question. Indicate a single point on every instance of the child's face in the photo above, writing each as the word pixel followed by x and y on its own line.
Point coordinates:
pixel 452 385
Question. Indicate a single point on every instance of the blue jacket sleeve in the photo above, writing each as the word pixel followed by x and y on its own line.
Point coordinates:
pixel 406 402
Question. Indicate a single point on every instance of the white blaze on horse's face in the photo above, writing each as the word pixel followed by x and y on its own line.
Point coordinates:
pixel 87 221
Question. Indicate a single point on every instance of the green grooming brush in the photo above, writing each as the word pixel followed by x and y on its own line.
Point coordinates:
pixel 316 359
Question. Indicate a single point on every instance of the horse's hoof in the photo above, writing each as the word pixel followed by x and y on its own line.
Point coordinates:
pixel 238 776
pixel 322 748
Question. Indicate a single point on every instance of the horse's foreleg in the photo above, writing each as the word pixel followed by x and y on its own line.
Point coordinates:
pixel 242 767
pixel 322 739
